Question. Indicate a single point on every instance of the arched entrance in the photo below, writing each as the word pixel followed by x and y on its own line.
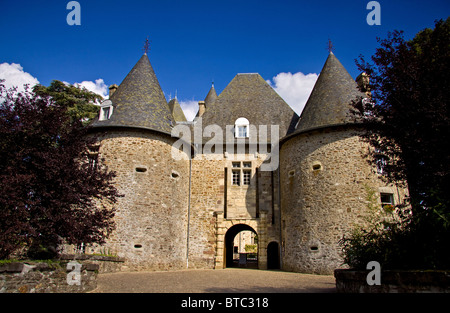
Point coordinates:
pixel 229 248
pixel 273 256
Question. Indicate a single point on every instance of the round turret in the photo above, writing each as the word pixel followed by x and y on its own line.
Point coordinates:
pixel 324 175
pixel 135 142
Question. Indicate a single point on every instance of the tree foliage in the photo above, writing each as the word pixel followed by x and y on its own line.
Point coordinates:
pixel 51 189
pixel 408 127
pixel 78 101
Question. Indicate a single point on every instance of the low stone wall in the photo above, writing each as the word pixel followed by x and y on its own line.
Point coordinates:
pixel 71 273
pixel 38 277
pixel 352 281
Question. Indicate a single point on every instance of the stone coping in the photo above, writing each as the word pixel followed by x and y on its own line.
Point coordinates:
pixel 92 257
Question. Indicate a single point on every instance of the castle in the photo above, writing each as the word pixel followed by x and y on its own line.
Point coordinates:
pixel 247 162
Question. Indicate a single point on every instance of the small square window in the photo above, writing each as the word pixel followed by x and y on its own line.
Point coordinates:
pixel 248 164
pixel 236 178
pixel 236 164
pixel 242 131
pixel 246 177
pixel 387 200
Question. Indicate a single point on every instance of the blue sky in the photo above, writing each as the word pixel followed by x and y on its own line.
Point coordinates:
pixel 195 42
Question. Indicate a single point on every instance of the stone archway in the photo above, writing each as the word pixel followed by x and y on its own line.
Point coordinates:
pixel 257 225
pixel 229 241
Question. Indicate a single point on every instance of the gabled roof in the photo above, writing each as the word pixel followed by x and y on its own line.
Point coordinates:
pixel 250 96
pixel 177 112
pixel 139 101
pixel 330 99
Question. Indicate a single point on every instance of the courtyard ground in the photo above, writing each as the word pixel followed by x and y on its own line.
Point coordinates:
pixel 230 280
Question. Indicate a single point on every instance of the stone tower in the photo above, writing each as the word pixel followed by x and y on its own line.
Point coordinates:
pixel 325 176
pixel 133 131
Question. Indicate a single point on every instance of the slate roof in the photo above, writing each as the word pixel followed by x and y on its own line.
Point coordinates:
pixel 177 112
pixel 250 96
pixel 211 96
pixel 209 100
pixel 330 99
pixel 139 101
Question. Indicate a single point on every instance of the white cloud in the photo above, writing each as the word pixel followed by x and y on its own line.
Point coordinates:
pixel 14 76
pixel 190 108
pixel 98 87
pixel 294 88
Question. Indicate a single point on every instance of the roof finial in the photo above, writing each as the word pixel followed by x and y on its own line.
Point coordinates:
pixel 146 46
pixel 330 47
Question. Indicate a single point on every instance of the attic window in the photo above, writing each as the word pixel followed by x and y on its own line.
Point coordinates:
pixel 241 128
pixel 106 110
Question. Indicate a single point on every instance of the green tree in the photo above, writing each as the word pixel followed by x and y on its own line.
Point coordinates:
pixel 408 127
pixel 78 101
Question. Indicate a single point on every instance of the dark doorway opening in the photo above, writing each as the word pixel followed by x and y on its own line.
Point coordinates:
pixel 235 258
pixel 273 256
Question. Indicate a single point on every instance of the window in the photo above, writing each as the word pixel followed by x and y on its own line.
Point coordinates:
pixel 236 178
pixel 246 177
pixel 241 128
pixel 93 156
pixel 241 173
pixel 105 110
pixel 242 131
pixel 387 201
pixel 380 161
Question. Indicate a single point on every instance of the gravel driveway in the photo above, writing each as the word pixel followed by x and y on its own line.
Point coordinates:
pixel 230 280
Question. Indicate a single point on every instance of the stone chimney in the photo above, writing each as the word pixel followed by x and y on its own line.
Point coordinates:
pixel 112 89
pixel 201 108
pixel 363 83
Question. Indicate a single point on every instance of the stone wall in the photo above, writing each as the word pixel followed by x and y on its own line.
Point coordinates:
pixel 151 218
pixel 207 197
pixel 324 183
pixel 33 277
pixel 106 264
pixel 215 201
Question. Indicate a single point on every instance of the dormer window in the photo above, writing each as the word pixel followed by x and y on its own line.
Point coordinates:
pixel 241 129
pixel 106 110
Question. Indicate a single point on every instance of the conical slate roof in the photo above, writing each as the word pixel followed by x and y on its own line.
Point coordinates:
pixel 139 101
pixel 330 99
pixel 211 96
pixel 209 100
pixel 251 97
pixel 177 112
